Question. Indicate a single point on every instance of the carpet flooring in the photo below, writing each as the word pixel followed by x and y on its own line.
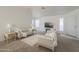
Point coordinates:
pixel 65 44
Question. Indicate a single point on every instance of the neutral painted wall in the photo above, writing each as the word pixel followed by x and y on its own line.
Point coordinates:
pixel 53 19
pixel 18 16
pixel 71 23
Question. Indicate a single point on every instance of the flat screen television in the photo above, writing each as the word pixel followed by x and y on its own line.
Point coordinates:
pixel 48 25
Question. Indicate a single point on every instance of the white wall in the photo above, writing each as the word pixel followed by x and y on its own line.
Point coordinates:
pixel 71 23
pixel 77 25
pixel 77 22
pixel 53 19
pixel 18 16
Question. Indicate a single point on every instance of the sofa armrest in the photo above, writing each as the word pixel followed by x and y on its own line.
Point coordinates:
pixel 43 37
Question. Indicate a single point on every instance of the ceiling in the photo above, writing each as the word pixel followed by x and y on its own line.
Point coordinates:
pixel 52 10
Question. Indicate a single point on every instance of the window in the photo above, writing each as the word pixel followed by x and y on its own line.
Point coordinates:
pixel 37 23
pixel 61 24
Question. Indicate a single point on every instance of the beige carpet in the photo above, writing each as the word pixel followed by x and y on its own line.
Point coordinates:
pixel 65 44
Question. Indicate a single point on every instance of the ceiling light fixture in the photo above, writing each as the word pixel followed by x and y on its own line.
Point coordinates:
pixel 43 8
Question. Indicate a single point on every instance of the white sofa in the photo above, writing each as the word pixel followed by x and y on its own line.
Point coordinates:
pixel 49 40
pixel 23 32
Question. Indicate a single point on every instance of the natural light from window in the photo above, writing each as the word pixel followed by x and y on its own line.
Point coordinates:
pixel 61 24
pixel 37 23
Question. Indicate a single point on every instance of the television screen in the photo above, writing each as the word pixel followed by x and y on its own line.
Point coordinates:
pixel 49 25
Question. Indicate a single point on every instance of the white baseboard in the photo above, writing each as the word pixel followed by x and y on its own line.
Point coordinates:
pixel 70 36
